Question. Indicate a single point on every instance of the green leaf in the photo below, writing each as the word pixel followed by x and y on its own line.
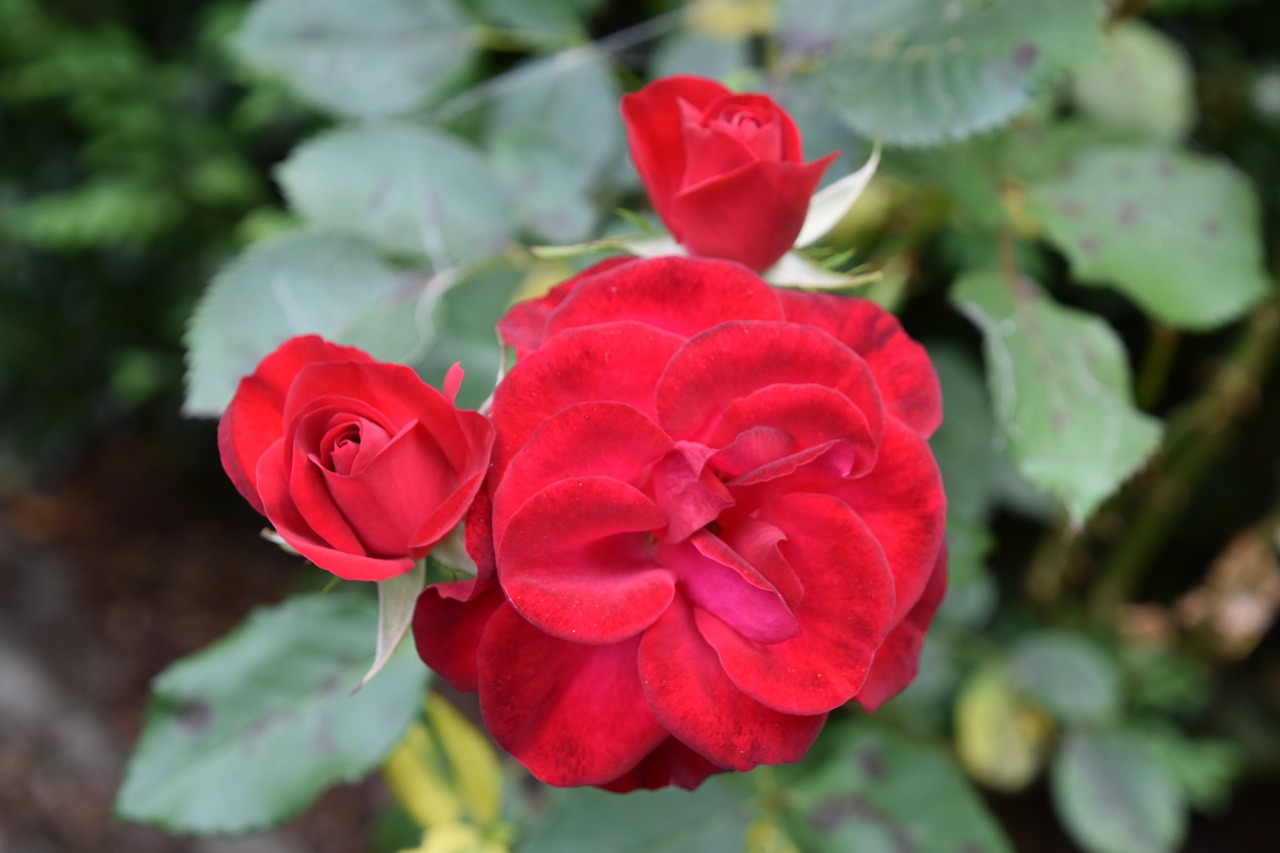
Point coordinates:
pixel 1144 83
pixel 245 733
pixel 714 817
pixel 966 444
pixel 372 58
pixel 972 593
pixel 918 72
pixel 548 24
pixel 701 55
pixel 1061 391
pixel 555 131
pixel 397 597
pixel 330 284
pixel 1114 797
pixel 407 188
pixel 1176 232
pixel 1074 679
pixel 883 791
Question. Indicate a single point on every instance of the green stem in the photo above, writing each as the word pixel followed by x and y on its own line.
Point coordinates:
pixel 1195 439
pixel 1156 364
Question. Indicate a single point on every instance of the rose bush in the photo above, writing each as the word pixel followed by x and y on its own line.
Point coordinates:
pixel 725 172
pixel 715 518
pixel 359 465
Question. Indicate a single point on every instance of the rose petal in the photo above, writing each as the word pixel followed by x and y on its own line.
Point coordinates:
pixel 615 362
pixel 672 763
pixel 782 137
pixel 448 623
pixel 571 714
pixel 845 614
pixel 695 701
pixel 902 368
pixel 733 360
pixel 590 439
pixel 751 215
pixel 680 295
pixel 689 495
pixel 524 325
pixel 255 417
pixel 577 561
pixel 898 658
pixel 655 136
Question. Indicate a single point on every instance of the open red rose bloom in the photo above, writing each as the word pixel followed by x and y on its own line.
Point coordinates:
pixel 714 519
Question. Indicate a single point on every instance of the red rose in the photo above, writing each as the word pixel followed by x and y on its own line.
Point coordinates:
pixel 724 171
pixel 715 519
pixel 359 465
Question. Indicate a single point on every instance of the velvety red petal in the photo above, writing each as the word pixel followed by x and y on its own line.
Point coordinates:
pixel 902 502
pixel 687 493
pixel 844 615
pixel 751 215
pixel 308 493
pixel 448 622
pixel 615 362
pixel 255 417
pixel 524 325
pixel 680 295
pixel 695 701
pixel 577 561
pixel 902 368
pixel 898 659
pixel 655 137
pixel 712 150
pixel 672 763
pixel 733 360
pixel 590 439
pixel 571 714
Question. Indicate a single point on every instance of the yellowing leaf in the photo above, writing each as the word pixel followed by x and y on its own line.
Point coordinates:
pixel 1001 739
pixel 471 760
pixel 413 774
pixel 730 18
pixel 456 838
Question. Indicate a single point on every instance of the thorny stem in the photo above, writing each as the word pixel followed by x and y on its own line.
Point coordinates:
pixel 1196 438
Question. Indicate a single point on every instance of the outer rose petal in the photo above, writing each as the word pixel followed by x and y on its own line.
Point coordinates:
pixel 655 134
pixel 699 705
pixel 902 368
pixel 577 562
pixel 448 623
pixel 255 417
pixel 898 659
pixel 571 714
pixel 615 362
pixel 672 763
pixel 525 324
pixel 680 295
pixel 751 215
pixel 844 614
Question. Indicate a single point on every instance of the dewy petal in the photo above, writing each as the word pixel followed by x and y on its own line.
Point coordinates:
pixel 577 561
pixel 844 616
pixel 590 439
pixel 679 295
pixel 571 714
pixel 902 368
pixel 655 137
pixel 733 360
pixel 614 362
pixel 902 502
pixel 255 417
pixel 695 701
pixel 672 763
pixel 898 658
pixel 751 215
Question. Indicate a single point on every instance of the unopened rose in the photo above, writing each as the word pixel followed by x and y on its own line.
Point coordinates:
pixel 359 465
pixel 725 172
pixel 715 518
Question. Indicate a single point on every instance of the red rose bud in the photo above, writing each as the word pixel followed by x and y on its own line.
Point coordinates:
pixel 724 171
pixel 359 465
pixel 715 519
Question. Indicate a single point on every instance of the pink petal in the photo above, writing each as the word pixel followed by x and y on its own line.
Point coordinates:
pixel 577 561
pixel 732 361
pixel 898 658
pixel 571 714
pixel 695 701
pixel 844 616
pixel 901 366
pixel 751 215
